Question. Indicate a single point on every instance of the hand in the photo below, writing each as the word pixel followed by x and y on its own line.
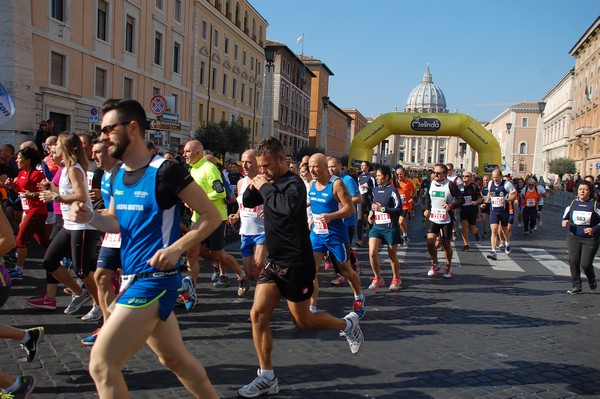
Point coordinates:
pixel 47 195
pixel 95 194
pixel 325 218
pixel 376 206
pixel 426 214
pixel 259 180
pixel 164 259
pixel 44 184
pixel 233 218
pixel 565 223
pixel 447 207
pixel 588 231
pixel 483 205
pixel 80 213
pixel 261 214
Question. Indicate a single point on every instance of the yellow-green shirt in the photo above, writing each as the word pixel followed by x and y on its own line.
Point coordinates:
pixel 208 176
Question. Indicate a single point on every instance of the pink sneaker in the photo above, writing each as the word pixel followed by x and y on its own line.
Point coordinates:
pixel 42 303
pixel 376 283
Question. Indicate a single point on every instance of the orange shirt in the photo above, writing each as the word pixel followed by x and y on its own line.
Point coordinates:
pixel 406 189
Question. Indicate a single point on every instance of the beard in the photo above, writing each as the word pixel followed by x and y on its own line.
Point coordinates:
pixel 118 149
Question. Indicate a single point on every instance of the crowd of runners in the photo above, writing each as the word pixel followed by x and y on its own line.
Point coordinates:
pixel 124 230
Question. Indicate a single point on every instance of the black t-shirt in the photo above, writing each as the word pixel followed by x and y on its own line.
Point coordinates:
pixel 170 180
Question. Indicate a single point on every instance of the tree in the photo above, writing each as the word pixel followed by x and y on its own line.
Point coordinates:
pixel 307 150
pixel 224 136
pixel 561 166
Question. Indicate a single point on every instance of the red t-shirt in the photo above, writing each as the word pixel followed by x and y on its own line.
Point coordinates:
pixel 28 181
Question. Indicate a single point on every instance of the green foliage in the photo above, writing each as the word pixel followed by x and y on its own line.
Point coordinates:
pixel 307 150
pixel 224 136
pixel 562 166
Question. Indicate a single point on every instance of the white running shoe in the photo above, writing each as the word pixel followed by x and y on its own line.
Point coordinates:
pixel 259 386
pixel 355 336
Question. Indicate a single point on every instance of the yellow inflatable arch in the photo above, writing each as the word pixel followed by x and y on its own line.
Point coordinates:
pixel 414 124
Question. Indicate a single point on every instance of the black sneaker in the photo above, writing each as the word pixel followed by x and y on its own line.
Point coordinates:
pixel 492 256
pixel 574 290
pixel 593 284
pixel 477 237
pixel 36 335
pixel 466 248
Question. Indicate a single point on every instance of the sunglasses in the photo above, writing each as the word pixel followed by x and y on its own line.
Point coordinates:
pixel 439 173
pixel 466 176
pixel 109 128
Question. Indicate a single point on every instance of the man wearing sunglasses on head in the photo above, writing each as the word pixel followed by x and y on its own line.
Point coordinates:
pixel 470 209
pixel 444 197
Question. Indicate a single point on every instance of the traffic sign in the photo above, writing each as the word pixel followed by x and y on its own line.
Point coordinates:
pixel 164 125
pixel 93 116
pixel 597 165
pixel 170 117
pixel 503 166
pixel 158 105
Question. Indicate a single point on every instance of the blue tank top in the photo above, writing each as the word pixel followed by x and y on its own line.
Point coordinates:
pixel 496 192
pixel 105 184
pixel 324 202
pixel 145 226
pixel 582 215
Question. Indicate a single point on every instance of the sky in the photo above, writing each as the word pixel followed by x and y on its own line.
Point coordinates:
pixel 484 55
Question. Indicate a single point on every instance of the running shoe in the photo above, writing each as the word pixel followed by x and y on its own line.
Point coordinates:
pixel 465 248
pixel 16 274
pixel 216 274
pixel 359 307
pixel 338 280
pixel 359 243
pixel 355 336
pixel 525 232
pixel 519 225
pixel 531 231
pixel 77 301
pixel 492 255
pixel 535 228
pixel 244 286
pixel 42 302
pixel 328 265
pixel 539 223
pixel 95 314
pixel 36 335
pixel 188 293
pixel 477 237
pixel 396 282
pixel 354 262
pixel 406 240
pixel 484 236
pixel 507 250
pixel 259 386
pixel 501 245
pixel 434 269
pixel 376 283
pixel 25 387
pixel 593 284
pixel 447 273
pixel 574 290
pixel 222 282
pixel 91 340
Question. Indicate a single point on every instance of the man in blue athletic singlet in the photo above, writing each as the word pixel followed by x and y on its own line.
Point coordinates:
pixel 144 207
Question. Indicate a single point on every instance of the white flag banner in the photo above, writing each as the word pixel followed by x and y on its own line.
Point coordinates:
pixel 300 39
pixel 7 108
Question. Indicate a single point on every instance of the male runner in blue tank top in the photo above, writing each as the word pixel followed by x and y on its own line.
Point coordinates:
pixel 144 207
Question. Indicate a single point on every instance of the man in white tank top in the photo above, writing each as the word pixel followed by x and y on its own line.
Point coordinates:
pixel 252 229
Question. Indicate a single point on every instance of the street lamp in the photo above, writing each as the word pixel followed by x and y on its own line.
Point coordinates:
pixel 510 140
pixel 325 103
pixel 267 131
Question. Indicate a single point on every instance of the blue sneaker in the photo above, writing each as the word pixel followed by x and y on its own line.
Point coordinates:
pixel 359 307
pixel 16 274
pixel 188 296
pixel 26 386
pixel 91 340
pixel 215 275
pixel 222 282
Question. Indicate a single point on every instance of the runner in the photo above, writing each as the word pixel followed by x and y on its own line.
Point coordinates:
pixel 444 197
pixel 289 272
pixel 366 182
pixel 500 194
pixel 407 191
pixel 531 198
pixel 146 197
pixel 470 209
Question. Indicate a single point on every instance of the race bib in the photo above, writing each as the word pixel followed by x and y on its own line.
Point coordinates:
pixel 363 189
pixel 24 202
pixel 382 218
pixel 497 202
pixel 403 198
pixel 582 218
pixel 112 240
pixel 249 212
pixel 438 215
pixel 318 226
pixel 90 179
pixel 530 202
pixel 468 200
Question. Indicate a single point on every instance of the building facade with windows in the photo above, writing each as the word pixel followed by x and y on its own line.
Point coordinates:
pixel 584 138
pixel 77 54
pixel 287 97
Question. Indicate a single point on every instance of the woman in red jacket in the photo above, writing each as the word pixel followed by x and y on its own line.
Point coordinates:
pixel 35 212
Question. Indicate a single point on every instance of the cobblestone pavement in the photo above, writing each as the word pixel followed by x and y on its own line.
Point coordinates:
pixel 503 329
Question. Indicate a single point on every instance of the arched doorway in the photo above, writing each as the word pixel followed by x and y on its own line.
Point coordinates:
pixel 411 124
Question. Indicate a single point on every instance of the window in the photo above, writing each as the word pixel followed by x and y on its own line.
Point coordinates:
pixel 244 58
pixel 252 63
pixel 129 33
pixel 216 39
pixel 234 88
pixel 522 167
pixel 204 30
pixel 224 84
pixel 243 92
pixel 100 82
pixel 235 52
pixel 57 10
pixel 157 48
pixel 175 109
pixel 127 88
pixel 226 46
pixel 178 10
pixel 214 79
pixel 176 57
pixel 524 122
pixel 250 102
pixel 57 69
pixel 523 148
pixel 159 4
pixel 102 20
pixel 202 72
pixel 155 91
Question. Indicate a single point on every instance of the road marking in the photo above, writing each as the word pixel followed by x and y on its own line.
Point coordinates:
pixel 504 262
pixel 549 261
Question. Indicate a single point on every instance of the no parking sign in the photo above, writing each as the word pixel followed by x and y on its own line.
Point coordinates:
pixel 158 105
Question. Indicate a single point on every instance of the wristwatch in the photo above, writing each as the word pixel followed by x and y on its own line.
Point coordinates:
pixel 382 209
pixel 57 198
